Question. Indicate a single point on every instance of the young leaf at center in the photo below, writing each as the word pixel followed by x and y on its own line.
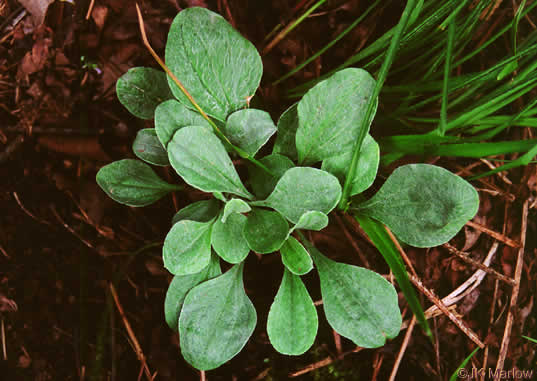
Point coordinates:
pixel 227 238
pixel 295 257
pixel 200 158
pixel 249 129
pixel 292 321
pixel 265 230
pixel 216 321
pixel 302 189
pixel 132 182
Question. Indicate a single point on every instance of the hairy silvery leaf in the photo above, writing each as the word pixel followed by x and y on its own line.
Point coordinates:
pixel 227 238
pixel 148 147
pixel 199 157
pixel 285 140
pixel 179 287
pixel 265 230
pixel 312 220
pixel 132 182
pixel 249 129
pixel 262 182
pixel 330 115
pixel 235 205
pixel 201 211
pixel 141 90
pixel 216 321
pixel 303 189
pixel 292 321
pixel 424 205
pixel 173 115
pixel 187 247
pixel 295 257
pixel 366 170
pixel 219 67
pixel 359 303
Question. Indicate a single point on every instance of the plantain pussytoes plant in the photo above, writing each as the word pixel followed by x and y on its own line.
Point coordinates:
pixel 290 190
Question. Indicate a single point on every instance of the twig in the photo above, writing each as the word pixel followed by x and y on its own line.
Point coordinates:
pixel 436 301
pixel 482 266
pixel 4 252
pixel 90 8
pixel 130 332
pixel 322 363
pixel 12 147
pixel 353 243
pixel 491 322
pixel 16 196
pixel 229 16
pixel 402 351
pixel 4 349
pixel 500 237
pixel 71 230
pixel 202 375
pixel 337 342
pixel 514 295
pixel 401 251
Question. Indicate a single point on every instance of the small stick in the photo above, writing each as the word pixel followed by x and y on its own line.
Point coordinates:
pixel 4 349
pixel 500 237
pixel 514 295
pixel 4 252
pixel 458 322
pixel 353 243
pixel 71 230
pixel 491 322
pixel 482 266
pixel 90 8
pixel 130 332
pixel 402 351
pixel 377 363
pixel 202 375
pixel 229 16
pixel 337 342
pixel 401 251
pixel 322 363
pixel 16 196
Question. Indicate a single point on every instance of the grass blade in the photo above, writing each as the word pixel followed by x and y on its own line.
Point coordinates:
pixel 455 376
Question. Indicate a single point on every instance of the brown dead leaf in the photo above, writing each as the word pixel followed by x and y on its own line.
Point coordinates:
pixel 38 10
pixel 36 59
pixel 7 305
pixel 87 147
pixel 99 15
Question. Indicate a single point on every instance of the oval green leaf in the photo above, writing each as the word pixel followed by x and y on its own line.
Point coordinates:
pixel 201 211
pixel 235 205
pixel 262 182
pixel 285 140
pixel 303 189
pixel 265 230
pixel 359 303
pixel 179 287
pixel 216 321
pixel 295 257
pixel 187 247
pixel 249 129
pixel 424 205
pixel 132 182
pixel 141 90
pixel 366 170
pixel 148 147
pixel 292 321
pixel 227 238
pixel 200 158
pixel 330 115
pixel 220 68
pixel 312 220
pixel 173 115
